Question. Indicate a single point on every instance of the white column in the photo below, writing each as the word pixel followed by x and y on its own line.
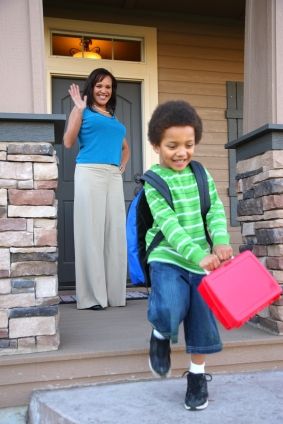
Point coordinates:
pixel 263 84
pixel 22 70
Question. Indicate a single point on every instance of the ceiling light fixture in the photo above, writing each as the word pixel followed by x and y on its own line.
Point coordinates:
pixel 86 52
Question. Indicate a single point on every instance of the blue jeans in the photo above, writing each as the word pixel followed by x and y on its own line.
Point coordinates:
pixel 174 298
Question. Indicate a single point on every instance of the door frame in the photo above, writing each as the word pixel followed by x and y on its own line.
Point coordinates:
pixel 144 71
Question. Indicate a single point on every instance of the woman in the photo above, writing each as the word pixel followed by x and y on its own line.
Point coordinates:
pixel 99 208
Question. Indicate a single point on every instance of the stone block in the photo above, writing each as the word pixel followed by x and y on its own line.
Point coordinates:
pixel 272 159
pixel 278 275
pixel 248 228
pixel 16 171
pixel 45 343
pixel 33 249
pixel 13 224
pixel 46 286
pixel 248 183
pixel 271 325
pixel 275 250
pixel 3 211
pixel 31 197
pixel 5 286
pixel 250 207
pixel 44 311
pixel 249 194
pixel 245 166
pixel 16 238
pixel 274 262
pixel 34 256
pixel 269 236
pixel 45 237
pixel 4 333
pixel 26 343
pixel 33 268
pixel 47 301
pixel 30 158
pixel 267 175
pixel 3 319
pixel 3 197
pixel 251 218
pixel 50 184
pixel 276 223
pixel 45 149
pixel 7 344
pixel 273 214
pixel 23 285
pixel 250 240
pixel 30 225
pixel 21 300
pixel 45 171
pixel 276 312
pixel 3 146
pixel 3 156
pixel 260 250
pixel 4 263
pixel 8 183
pixel 45 223
pixel 32 211
pixel 32 326
pixel 25 185
pixel 272 202
pixel 267 187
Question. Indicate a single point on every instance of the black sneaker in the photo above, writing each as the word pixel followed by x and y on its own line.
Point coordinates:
pixel 197 393
pixel 159 356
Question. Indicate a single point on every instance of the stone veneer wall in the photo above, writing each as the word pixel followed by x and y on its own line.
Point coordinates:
pixel 260 211
pixel 28 247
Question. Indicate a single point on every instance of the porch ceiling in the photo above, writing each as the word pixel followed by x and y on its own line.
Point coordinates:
pixel 234 9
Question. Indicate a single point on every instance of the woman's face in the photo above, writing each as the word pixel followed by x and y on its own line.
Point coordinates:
pixel 102 91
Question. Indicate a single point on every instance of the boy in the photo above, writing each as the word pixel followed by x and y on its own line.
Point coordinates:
pixel 177 264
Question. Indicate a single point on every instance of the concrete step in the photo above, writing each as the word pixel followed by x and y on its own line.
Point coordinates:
pixel 112 346
pixel 254 398
pixel 15 415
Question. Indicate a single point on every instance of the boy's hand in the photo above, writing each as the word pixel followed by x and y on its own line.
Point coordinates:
pixel 223 252
pixel 210 262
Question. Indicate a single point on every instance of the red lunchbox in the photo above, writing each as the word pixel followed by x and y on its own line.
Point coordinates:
pixel 239 289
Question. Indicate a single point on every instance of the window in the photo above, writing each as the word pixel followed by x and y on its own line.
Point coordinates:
pixel 91 46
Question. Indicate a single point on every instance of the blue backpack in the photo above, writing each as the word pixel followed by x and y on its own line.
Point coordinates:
pixel 139 220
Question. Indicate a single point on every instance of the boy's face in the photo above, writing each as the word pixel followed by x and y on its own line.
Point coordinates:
pixel 176 148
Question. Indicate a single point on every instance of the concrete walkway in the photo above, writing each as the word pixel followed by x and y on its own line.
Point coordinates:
pixel 254 398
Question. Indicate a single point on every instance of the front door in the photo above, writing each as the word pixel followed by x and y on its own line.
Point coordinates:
pixel 128 111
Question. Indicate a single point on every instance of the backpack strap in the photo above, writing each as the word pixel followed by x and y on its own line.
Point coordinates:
pixel 201 179
pixel 161 186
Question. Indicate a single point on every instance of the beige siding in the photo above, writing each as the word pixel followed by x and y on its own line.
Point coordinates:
pixel 194 64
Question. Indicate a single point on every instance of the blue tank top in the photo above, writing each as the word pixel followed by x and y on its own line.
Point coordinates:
pixel 100 139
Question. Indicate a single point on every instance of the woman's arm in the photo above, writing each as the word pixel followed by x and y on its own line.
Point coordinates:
pixel 125 155
pixel 75 118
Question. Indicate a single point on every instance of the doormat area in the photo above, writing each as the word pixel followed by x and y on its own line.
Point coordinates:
pixel 131 295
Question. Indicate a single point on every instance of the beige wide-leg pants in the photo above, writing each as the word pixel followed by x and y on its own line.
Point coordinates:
pixel 100 236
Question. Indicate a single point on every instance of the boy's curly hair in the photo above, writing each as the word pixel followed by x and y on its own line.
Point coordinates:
pixel 174 113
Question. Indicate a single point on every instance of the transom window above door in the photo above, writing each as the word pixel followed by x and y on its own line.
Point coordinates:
pixel 90 46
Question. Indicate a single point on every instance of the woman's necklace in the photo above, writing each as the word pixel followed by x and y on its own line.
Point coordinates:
pixel 101 110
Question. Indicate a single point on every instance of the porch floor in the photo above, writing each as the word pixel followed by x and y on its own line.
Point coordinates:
pixel 112 345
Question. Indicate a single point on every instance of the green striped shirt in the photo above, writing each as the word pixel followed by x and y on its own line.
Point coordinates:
pixel 184 242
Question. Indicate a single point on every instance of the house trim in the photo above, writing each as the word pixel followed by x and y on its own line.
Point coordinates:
pixel 144 72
